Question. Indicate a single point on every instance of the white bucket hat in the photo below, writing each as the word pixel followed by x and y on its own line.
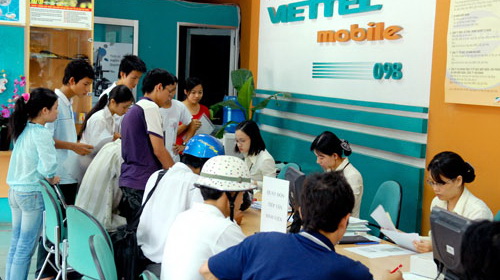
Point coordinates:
pixel 225 173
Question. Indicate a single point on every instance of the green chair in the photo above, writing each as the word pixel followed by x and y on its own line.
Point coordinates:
pixel 81 226
pixel 389 195
pixel 284 168
pixel 53 229
pixel 497 216
pixel 103 258
pixel 148 275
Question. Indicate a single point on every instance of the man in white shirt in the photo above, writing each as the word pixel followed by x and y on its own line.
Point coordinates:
pixel 174 194
pixel 204 230
pixel 173 112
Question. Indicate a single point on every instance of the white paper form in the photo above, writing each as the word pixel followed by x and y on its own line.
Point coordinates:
pixel 379 251
pixel 207 127
pixel 403 239
pixel 382 218
pixel 274 205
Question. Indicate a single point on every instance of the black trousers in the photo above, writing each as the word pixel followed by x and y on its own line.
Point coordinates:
pixel 130 203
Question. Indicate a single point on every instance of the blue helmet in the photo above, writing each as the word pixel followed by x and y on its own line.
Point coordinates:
pixel 204 146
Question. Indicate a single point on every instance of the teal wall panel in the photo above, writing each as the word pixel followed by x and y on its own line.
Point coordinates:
pixel 11 57
pixel 158 24
pixel 5 213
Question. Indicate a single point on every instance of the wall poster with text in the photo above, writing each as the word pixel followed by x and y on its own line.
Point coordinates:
pixel 473 62
pixel 62 13
pixel 368 50
pixel 13 11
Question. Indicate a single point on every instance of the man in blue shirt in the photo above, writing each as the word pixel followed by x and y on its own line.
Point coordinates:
pixel 326 204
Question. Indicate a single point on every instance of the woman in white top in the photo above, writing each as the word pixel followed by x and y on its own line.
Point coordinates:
pixel 448 173
pixel 249 142
pixel 99 126
pixel 329 150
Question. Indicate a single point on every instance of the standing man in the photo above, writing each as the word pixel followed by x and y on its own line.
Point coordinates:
pixel 143 148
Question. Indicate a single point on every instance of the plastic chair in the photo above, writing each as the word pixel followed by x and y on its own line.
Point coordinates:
pixel 285 167
pixel 103 258
pixel 81 226
pixel 497 216
pixel 389 195
pixel 53 228
pixel 148 275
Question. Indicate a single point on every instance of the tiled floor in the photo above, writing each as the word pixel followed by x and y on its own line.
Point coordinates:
pixel 5 234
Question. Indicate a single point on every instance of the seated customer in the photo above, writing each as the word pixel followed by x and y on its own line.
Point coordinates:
pixel 448 173
pixel 481 251
pixel 326 204
pixel 174 194
pixel 204 230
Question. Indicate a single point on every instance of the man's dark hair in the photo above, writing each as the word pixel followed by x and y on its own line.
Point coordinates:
pixel 326 199
pixel 155 77
pixel 130 63
pixel 193 161
pixel 481 251
pixel 78 69
pixel 209 193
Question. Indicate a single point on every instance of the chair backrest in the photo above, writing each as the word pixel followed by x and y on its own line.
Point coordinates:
pixel 53 214
pixel 56 192
pixel 497 216
pixel 148 275
pixel 103 258
pixel 285 167
pixel 296 179
pixel 81 225
pixel 389 195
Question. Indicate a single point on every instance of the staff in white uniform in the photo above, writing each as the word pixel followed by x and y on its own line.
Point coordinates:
pixel 249 142
pixel 99 126
pixel 329 150
pixel 448 173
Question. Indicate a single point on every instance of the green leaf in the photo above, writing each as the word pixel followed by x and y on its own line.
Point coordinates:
pixel 229 103
pixel 239 77
pixel 245 95
pixel 220 133
pixel 263 103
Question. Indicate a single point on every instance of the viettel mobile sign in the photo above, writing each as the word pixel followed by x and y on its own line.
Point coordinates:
pixel 372 50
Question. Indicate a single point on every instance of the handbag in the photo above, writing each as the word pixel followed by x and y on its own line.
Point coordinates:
pixel 129 259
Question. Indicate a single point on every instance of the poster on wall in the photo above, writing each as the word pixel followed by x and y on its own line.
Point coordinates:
pixel 107 58
pixel 13 11
pixel 62 13
pixel 473 62
pixel 375 50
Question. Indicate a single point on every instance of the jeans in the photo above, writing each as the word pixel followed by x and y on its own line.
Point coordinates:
pixel 27 212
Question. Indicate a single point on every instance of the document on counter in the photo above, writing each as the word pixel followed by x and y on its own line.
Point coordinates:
pixel 382 218
pixel 379 251
pixel 411 276
pixel 403 239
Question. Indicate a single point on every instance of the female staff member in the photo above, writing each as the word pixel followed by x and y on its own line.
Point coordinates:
pixel 194 93
pixel 329 150
pixel 249 142
pixel 448 173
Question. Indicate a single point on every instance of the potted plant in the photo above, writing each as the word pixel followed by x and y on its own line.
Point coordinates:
pixel 243 83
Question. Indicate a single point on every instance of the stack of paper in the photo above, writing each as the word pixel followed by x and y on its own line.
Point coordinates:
pixel 357 225
pixel 387 227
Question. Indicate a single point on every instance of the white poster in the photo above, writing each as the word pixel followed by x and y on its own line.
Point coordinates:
pixel 376 50
pixel 107 58
pixel 473 62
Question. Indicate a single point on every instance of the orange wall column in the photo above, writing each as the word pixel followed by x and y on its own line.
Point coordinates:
pixel 469 130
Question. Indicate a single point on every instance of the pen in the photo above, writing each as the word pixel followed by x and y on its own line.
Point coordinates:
pixel 367 243
pixel 397 268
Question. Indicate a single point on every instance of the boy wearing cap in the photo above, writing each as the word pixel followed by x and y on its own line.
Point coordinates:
pixel 174 194
pixel 204 230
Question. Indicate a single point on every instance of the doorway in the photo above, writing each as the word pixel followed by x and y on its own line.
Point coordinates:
pixel 210 54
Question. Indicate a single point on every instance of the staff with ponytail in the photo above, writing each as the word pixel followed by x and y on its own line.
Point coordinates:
pixel 329 151
pixel 33 159
pixel 448 173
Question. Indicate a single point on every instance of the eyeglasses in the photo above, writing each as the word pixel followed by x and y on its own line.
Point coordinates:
pixel 436 184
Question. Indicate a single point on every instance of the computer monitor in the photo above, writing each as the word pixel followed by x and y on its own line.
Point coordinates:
pixel 447 234
pixel 296 179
